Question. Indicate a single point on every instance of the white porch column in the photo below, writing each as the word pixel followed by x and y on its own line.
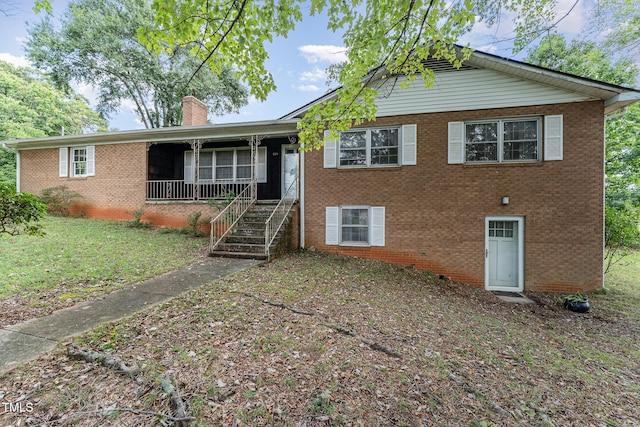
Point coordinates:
pixel 196 145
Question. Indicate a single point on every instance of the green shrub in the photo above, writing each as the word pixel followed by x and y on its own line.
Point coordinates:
pixel 622 233
pixel 137 221
pixel 59 199
pixel 20 213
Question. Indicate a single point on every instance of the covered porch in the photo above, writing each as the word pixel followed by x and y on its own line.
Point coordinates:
pixel 220 167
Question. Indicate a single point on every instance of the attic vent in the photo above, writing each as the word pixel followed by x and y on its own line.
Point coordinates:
pixel 442 66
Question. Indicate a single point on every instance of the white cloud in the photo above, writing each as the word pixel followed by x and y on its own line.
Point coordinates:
pixel 19 61
pixel 316 75
pixel 323 53
pixel 308 88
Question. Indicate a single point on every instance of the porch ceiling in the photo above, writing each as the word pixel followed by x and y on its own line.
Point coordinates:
pixel 218 132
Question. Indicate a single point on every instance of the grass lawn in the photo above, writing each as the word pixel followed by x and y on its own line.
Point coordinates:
pixel 314 339
pixel 80 259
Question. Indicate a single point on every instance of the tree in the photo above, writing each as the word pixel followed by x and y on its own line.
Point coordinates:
pixel 389 36
pixel 97 44
pixel 31 107
pixel 622 136
pixel 583 58
pixel 20 213
pixel 620 21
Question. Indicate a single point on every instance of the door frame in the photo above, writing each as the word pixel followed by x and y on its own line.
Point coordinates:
pixel 283 152
pixel 520 220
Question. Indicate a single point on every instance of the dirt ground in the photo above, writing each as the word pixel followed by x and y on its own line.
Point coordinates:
pixel 314 339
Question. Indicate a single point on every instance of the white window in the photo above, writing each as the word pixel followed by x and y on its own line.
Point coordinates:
pixel 371 147
pixel 510 140
pixel 225 165
pixel 355 225
pixel 77 162
pixel 506 140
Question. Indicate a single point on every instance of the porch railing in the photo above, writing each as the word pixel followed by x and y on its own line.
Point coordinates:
pixel 179 190
pixel 227 218
pixel 279 215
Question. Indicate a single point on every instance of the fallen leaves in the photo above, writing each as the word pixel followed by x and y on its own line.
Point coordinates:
pixel 248 358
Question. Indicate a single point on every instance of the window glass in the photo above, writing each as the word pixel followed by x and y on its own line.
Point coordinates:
pixel 521 140
pixel 224 165
pixel 79 161
pixel 482 142
pixel 243 163
pixel 502 140
pixel 353 148
pixel 355 225
pixel 384 146
pixel 206 162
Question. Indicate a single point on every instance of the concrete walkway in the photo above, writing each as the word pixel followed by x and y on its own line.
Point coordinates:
pixel 26 341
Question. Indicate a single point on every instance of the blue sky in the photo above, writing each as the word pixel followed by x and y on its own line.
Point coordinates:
pixel 298 63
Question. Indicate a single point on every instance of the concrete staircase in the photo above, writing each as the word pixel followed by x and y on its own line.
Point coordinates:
pixel 247 240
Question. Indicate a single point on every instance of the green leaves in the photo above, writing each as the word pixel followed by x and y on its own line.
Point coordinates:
pixel 381 37
pixel 20 213
pixel 98 44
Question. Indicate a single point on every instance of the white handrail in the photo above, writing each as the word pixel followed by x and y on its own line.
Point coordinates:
pixel 223 223
pixel 279 215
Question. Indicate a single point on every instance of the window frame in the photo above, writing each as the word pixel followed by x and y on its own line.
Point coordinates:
pixel 341 226
pixel 500 141
pixel 67 163
pixel 214 166
pixel 368 148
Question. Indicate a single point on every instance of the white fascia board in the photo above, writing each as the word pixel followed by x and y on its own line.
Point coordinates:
pixel 221 132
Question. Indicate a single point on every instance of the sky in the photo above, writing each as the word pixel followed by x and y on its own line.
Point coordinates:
pixel 298 63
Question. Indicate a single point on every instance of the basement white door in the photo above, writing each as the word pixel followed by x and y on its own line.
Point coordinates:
pixel 289 168
pixel 504 253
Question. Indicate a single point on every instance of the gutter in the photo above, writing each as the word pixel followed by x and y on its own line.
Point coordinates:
pixel 622 112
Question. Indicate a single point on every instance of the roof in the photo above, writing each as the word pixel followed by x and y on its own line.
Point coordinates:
pixel 217 132
pixel 615 97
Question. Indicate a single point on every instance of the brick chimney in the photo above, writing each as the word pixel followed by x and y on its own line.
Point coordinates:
pixel 194 111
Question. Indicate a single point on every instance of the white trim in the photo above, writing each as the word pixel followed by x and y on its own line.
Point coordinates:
pixel 520 221
pixel 332 225
pixel 330 150
pixel 553 137
pixel 455 143
pixel 283 153
pixel 377 226
pixel 301 191
pixel 189 164
pixel 261 166
pixel 91 160
pixel 63 162
pixel 409 145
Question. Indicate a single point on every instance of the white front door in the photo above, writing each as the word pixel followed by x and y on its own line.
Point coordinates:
pixel 504 253
pixel 290 169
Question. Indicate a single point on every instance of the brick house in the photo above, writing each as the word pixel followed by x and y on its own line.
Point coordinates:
pixel 494 176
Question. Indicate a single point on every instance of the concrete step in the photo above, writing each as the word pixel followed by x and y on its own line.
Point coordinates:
pixel 244 238
pixel 243 255
pixel 241 247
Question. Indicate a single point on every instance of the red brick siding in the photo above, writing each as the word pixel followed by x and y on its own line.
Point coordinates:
pixel 116 190
pixel 194 112
pixel 435 212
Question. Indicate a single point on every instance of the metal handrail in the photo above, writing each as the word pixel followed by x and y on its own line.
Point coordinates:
pixel 227 218
pixel 279 215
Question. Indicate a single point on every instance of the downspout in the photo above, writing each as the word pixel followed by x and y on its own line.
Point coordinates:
pixel 615 116
pixel 301 181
